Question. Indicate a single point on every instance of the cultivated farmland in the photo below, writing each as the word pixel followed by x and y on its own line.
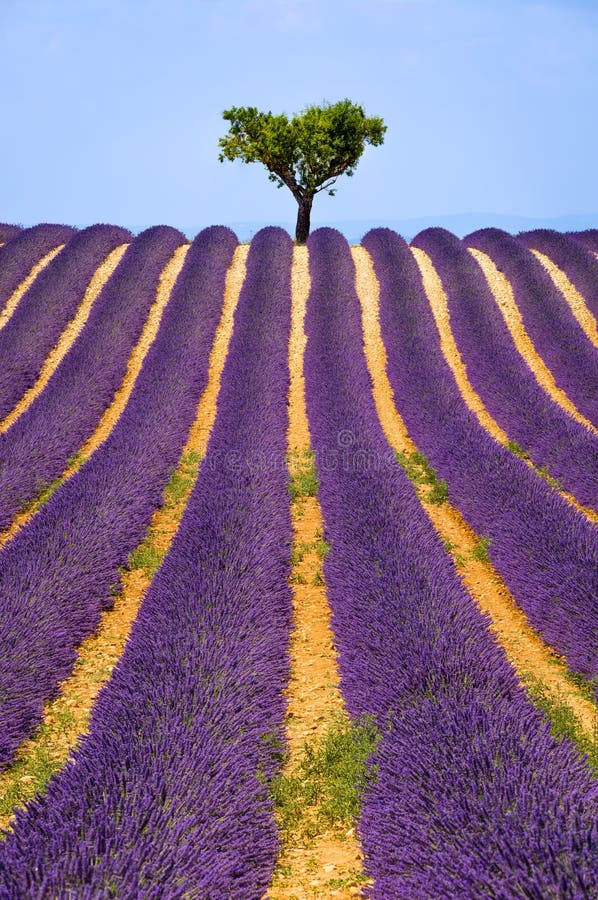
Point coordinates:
pixel 298 565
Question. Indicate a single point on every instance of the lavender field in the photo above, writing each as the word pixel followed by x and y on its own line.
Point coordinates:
pixel 208 449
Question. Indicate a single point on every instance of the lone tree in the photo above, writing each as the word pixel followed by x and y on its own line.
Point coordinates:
pixel 307 152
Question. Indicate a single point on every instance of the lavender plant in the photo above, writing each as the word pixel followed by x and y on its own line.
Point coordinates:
pixel 552 327
pixel 507 386
pixel 167 796
pixel 47 307
pixel 37 446
pixel 574 257
pixel 544 549
pixel 457 807
pixel 8 231
pixel 63 568
pixel 23 250
pixel 588 238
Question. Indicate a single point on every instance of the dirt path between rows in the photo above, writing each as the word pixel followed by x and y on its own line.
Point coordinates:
pixel 524 648
pixel 17 294
pixel 66 717
pixel 326 864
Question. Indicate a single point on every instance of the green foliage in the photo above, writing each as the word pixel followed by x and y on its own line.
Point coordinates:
pixel 307 152
pixel 297 578
pixel 352 880
pixel 182 479
pixel 515 448
pixel 145 557
pixel 303 476
pixel 31 774
pixel 480 551
pixel 419 470
pixel 439 493
pixel 563 721
pixel 322 547
pixel 587 685
pixel 325 790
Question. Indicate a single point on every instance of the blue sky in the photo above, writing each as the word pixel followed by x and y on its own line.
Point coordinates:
pixel 111 109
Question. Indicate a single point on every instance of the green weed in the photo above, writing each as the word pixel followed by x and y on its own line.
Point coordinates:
pixel 326 788
pixel 515 448
pixel 419 470
pixel 563 721
pixel 146 557
pixel 480 550
pixel 303 481
pixel 297 578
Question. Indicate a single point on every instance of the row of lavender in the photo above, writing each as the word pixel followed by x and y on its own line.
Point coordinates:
pixel 495 368
pixel 47 307
pixel 23 250
pixel 62 568
pixel 35 449
pixel 167 796
pixel 552 327
pixel 457 808
pixel 8 231
pixel 546 551
pixel 575 254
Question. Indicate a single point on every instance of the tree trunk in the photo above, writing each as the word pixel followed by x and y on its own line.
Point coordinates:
pixel 303 217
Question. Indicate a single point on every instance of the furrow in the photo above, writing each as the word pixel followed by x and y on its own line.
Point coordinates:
pixel 66 718
pixel 47 307
pixel 492 375
pixel 316 853
pixel 524 648
pixel 19 257
pixel 575 260
pixel 438 305
pixel 54 438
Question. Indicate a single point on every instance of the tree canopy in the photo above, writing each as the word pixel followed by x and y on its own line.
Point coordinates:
pixel 307 153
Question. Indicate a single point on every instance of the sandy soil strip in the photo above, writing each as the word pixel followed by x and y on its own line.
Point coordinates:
pixel 68 336
pixel 526 651
pixel 505 300
pixel 13 300
pixel 308 867
pixel 576 302
pixel 439 305
pixel 66 717
pixel 111 415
